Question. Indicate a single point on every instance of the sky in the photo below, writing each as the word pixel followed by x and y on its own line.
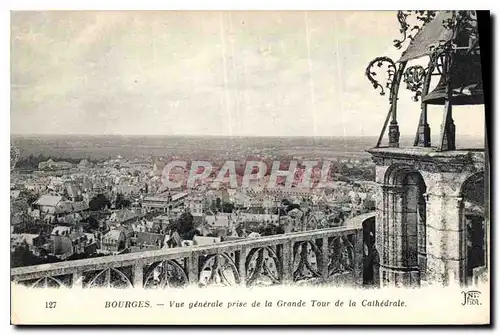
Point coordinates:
pixel 246 73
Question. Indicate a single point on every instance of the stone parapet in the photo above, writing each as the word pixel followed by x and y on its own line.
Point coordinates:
pixel 322 257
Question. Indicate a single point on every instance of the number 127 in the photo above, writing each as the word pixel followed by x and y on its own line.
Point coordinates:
pixel 50 304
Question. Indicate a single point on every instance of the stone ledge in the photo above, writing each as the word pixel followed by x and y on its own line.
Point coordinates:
pixel 430 159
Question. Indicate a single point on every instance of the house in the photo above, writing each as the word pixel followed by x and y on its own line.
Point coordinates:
pixel 77 206
pixel 128 231
pixel 165 201
pixel 73 191
pixel 60 231
pixel 158 167
pixel 206 240
pixel 194 204
pixel 204 228
pixel 114 241
pixel 79 242
pixel 52 165
pixel 124 216
pixel 91 238
pixel 69 244
pixel 49 204
pixel 14 194
pixel 146 239
pixel 250 217
pixel 218 220
pixel 29 240
pixel 315 220
pixel 17 220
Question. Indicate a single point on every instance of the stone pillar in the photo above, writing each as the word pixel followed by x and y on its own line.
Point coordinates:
pixel 397 267
pixel 424 135
pixel 394 134
pixel 380 232
pixel 422 238
pixel 446 240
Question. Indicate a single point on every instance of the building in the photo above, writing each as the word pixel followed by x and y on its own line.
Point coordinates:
pixel 165 201
pixel 50 204
pixel 123 216
pixel 425 192
pixel 52 165
pixel 30 240
pixel 158 167
pixel 114 241
pixel 194 204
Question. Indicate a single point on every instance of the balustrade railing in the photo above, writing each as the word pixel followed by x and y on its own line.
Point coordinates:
pixel 331 256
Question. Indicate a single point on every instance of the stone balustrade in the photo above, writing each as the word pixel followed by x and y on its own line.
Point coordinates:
pixel 332 256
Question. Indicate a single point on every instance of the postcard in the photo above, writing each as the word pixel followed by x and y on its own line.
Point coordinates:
pixel 249 167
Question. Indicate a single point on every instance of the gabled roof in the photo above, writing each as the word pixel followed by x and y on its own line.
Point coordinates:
pixel 217 220
pixel 28 238
pixel 124 215
pixel 113 234
pixel 79 206
pixel 48 200
pixel 60 229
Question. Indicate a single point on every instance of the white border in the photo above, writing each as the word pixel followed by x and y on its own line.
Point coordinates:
pixel 7 6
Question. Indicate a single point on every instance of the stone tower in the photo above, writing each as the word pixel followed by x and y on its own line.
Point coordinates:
pixel 430 206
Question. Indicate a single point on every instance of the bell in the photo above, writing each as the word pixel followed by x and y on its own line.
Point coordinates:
pixel 466 82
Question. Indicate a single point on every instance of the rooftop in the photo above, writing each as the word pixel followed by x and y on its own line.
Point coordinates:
pixel 48 200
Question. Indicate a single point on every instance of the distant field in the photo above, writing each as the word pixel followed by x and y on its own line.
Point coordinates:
pixel 99 147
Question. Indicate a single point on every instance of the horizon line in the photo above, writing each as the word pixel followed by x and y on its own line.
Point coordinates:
pixel 217 135
pixel 184 135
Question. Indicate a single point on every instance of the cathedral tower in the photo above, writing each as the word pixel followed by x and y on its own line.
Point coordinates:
pixel 430 215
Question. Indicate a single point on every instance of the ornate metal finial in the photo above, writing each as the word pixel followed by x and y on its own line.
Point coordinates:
pixel 461 23
pixel 422 17
pixel 414 78
pixel 14 156
pixel 391 72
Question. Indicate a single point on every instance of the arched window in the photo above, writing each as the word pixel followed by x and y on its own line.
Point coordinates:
pixel 414 215
pixel 404 224
pixel 473 199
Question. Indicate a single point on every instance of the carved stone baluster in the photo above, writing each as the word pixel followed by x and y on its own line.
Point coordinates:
pixel 324 261
pixel 77 281
pixel 358 258
pixel 241 257
pixel 138 270
pixel 107 281
pixel 193 269
pixel 286 256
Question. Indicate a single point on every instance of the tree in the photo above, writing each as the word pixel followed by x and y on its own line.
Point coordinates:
pixel 93 223
pixel 185 223
pixel 227 207
pixel 29 196
pixel 213 206
pixel 99 202
pixel 22 256
pixel 121 202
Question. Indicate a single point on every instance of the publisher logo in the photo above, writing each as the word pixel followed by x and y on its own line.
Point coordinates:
pixel 471 298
